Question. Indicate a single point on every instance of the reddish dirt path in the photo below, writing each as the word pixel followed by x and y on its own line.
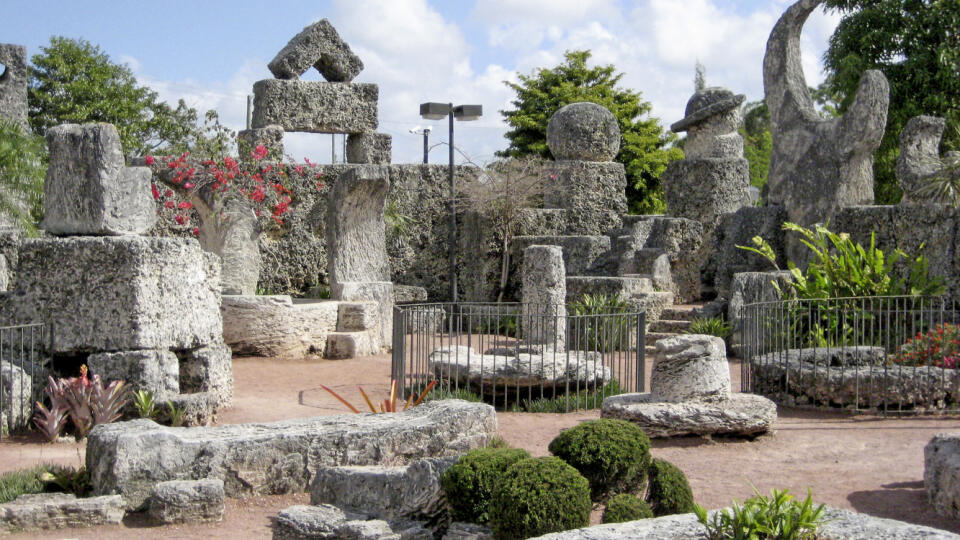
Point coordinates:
pixel 868 464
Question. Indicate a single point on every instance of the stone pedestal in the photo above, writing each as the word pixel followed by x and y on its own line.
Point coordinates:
pixel 592 193
pixel 544 311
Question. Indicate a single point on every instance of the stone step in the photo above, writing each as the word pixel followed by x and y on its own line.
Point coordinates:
pixel 652 338
pixel 670 326
pixel 681 312
pixel 621 287
pixel 345 345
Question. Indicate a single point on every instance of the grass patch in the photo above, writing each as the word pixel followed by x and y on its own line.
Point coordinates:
pixel 21 482
pixel 587 399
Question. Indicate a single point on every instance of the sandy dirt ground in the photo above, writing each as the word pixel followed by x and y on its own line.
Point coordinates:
pixel 868 464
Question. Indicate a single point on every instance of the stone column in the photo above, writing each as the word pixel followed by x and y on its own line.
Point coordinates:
pixel 544 312
pixel 13 85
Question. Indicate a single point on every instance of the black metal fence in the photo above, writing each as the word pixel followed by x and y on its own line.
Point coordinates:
pixel 895 354
pixel 519 357
pixel 22 374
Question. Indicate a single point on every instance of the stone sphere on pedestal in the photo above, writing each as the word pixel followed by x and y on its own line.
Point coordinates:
pixel 583 132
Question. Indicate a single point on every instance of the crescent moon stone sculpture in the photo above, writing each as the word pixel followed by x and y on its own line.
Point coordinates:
pixel 817 165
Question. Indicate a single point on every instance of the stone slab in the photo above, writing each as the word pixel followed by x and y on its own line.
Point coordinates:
pixel 187 501
pixel 208 369
pixel 315 107
pixel 740 414
pixel 156 371
pixel 129 458
pixel 276 326
pixel 59 511
pixel 318 45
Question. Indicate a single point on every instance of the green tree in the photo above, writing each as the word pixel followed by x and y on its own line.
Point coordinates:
pixel 757 141
pixel 22 171
pixel 914 43
pixel 73 81
pixel 645 148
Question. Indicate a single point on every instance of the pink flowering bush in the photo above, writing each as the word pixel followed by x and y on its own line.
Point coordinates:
pixel 939 346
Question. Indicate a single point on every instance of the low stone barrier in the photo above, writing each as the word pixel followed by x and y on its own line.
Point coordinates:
pixel 129 458
pixel 58 511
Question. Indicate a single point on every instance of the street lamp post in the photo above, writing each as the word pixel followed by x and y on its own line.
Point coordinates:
pixel 426 141
pixel 436 111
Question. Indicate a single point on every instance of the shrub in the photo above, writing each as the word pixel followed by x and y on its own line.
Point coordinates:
pixel 669 491
pixel 21 482
pixel 711 326
pixel 610 332
pixel 613 455
pixel 538 496
pixel 470 482
pixel 939 347
pixel 775 517
pixel 626 507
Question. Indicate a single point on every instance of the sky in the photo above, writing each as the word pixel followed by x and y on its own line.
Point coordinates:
pixel 210 52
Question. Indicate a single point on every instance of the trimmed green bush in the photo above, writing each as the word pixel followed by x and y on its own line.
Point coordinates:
pixel 626 507
pixel 469 483
pixel 669 491
pixel 613 455
pixel 538 496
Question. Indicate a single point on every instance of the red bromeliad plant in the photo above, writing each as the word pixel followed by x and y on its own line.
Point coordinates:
pixel 388 405
pixel 84 400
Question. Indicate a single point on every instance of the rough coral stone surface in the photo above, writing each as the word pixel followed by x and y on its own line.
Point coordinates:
pixel 739 228
pixel 690 367
pixel 13 84
pixel 704 189
pixel 919 156
pixel 118 293
pixel 318 45
pixel 276 325
pixel 544 297
pixel 129 458
pixel 594 195
pixel 356 241
pixel 369 147
pixel 738 414
pixel 16 391
pixel 59 511
pixel 208 369
pixel 270 137
pixel 315 107
pixel 380 293
pixel 750 288
pixel 187 501
pixel 941 473
pixel 583 132
pixel 88 189
pixel 817 166
pixel 157 371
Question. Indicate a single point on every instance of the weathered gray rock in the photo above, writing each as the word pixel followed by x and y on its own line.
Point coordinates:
pixel 681 239
pixel 843 524
pixel 690 366
pixel 583 132
pixel 157 371
pixel 750 288
pixel 59 511
pixel 129 458
pixel 941 473
pixel 88 189
pixel 208 369
pixel 459 530
pixel 13 84
pixel 187 501
pixel 356 241
pixel 198 408
pixel 580 253
pixel 593 193
pixel 277 325
pixel 159 293
pixel 369 147
pixel 817 165
pixel 919 158
pixel 704 189
pixel 738 414
pixel 16 396
pixel 378 292
pixel 270 137
pixel 374 529
pixel 544 296
pixel 410 492
pixel 408 294
pixel 237 245
pixel 501 370
pixel 738 229
pixel 318 45
pixel 313 522
pixel 315 107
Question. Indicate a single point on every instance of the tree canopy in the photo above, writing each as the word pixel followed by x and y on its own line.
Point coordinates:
pixel 915 43
pixel 645 147
pixel 73 81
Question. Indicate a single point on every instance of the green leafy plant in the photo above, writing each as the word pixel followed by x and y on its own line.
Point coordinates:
pixel 145 404
pixel 668 491
pixel 762 248
pixel 21 482
pixel 176 414
pixel 609 331
pixel 775 517
pixel 626 507
pixel 711 326
pixel 22 173
pixel 586 399
pixel 469 483
pixel 67 479
pixel 613 455
pixel 537 496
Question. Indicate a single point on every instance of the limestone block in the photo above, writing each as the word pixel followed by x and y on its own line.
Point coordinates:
pixel 727 145
pixel 706 188
pixel 594 195
pixel 315 107
pixel 817 166
pixel 208 369
pixel 580 253
pixel 750 288
pixel 59 511
pixel 544 311
pixel 4 274
pixel 688 367
pixel 941 473
pixel 304 522
pixel 13 84
pixel 374 529
pixel 129 458
pixel 16 393
pixel 199 408
pixel 277 325
pixel 584 132
pixel 408 294
pixel 344 345
pixel 379 292
pixel 270 137
pixel 187 501
pixel 740 414
pixel 88 189
pixel 240 256
pixel 355 232
pixel 369 147
pixel 318 45
pixel 117 293
pixel 358 316
pixel 411 492
pixel 738 228
pixel 919 156
pixel 157 371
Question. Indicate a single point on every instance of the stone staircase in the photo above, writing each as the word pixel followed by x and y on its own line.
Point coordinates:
pixel 673 321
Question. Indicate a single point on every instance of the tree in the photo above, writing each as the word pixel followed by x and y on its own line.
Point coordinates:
pixel 699 77
pixel 73 81
pixel 645 148
pixel 22 171
pixel 757 141
pixel 914 43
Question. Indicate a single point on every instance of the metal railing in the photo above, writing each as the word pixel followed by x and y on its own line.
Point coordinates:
pixel 514 356
pixel 870 354
pixel 22 374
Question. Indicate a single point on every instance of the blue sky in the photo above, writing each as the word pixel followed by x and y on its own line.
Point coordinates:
pixel 210 52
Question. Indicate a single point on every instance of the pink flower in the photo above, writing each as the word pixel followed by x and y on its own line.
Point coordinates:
pixel 185 205
pixel 154 191
pixel 259 152
pixel 196 231
pixel 168 193
pixel 150 160
pixel 189 185
pixel 169 204
pixel 180 219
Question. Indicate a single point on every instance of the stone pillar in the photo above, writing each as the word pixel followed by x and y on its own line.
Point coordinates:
pixel 369 147
pixel 270 136
pixel 919 158
pixel 690 367
pixel 13 84
pixel 544 311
